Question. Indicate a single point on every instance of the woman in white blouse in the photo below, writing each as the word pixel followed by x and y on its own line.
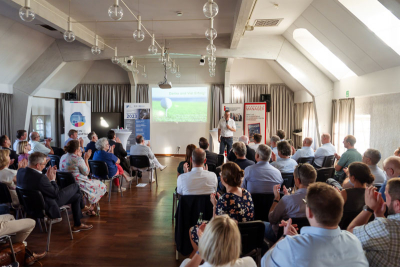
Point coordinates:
pixel 220 245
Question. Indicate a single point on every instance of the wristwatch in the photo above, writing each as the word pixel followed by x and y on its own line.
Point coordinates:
pixel 275 200
pixel 366 208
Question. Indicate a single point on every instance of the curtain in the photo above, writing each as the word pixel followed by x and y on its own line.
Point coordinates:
pixel 217 99
pixel 309 123
pixel 298 124
pixel 245 93
pixel 343 117
pixel 104 97
pixel 6 115
pixel 59 121
pixel 142 93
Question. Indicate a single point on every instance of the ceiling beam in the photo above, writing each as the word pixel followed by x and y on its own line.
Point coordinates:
pixel 243 12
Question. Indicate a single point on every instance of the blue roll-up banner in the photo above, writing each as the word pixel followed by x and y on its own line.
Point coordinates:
pixel 77 116
pixel 137 120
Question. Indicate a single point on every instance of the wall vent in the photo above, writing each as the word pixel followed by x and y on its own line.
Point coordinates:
pixel 267 22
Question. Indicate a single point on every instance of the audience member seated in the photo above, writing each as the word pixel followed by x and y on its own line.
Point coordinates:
pixel 212 158
pixel 141 149
pixel 371 157
pixel 31 178
pixel 239 149
pixel 250 153
pixel 105 153
pixel 92 136
pixel 274 140
pixel 391 166
pixel 73 135
pixel 21 136
pixel 306 151
pixel 261 177
pixel 19 230
pixel 188 159
pixel 351 155
pixel 257 141
pixel 119 150
pixel 380 238
pixel 359 177
pixel 5 143
pixel 281 134
pixel 198 181
pixel 397 152
pixel 23 150
pixel 8 176
pixel 283 162
pixel 220 245
pixel 327 149
pixel 73 162
pixel 322 243
pixel 236 202
pixel 291 205
pixel 36 146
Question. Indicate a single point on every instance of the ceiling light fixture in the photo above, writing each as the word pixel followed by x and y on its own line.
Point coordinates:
pixel 152 48
pixel 211 33
pixel 211 48
pixel 138 35
pixel 96 49
pixel 165 84
pixel 115 12
pixel 173 69
pixel 69 35
pixel 168 63
pixel 114 59
pixel 144 72
pixel 178 73
pixel 26 13
pixel 210 9
pixel 136 70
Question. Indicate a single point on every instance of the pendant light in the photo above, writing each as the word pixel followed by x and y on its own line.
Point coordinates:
pixel 173 69
pixel 114 59
pixel 26 13
pixel 115 12
pixel 210 9
pixel 144 72
pixel 178 73
pixel 211 33
pixel 211 48
pixel 136 70
pixel 152 48
pixel 138 35
pixel 95 48
pixel 69 35
pixel 168 62
pixel 161 59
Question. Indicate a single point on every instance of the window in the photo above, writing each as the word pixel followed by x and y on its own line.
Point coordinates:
pixel 378 19
pixel 362 132
pixel 42 125
pixel 322 54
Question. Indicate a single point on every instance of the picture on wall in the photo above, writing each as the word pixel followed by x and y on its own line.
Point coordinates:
pixel 254 128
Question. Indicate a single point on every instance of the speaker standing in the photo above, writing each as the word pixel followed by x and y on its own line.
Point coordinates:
pixel 226 128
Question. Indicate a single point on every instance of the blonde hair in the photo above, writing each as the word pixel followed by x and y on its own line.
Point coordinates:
pixel 4 159
pixel 220 244
pixel 21 147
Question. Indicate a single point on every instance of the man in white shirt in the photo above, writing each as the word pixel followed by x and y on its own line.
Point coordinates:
pixel 73 135
pixel 226 128
pixel 371 157
pixel 141 149
pixel 21 136
pixel 198 181
pixel 327 149
pixel 274 146
pixel 36 146
pixel 257 141
pixel 306 151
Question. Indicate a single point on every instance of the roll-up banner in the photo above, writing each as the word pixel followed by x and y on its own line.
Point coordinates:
pixel 137 120
pixel 78 116
pixel 255 120
pixel 237 115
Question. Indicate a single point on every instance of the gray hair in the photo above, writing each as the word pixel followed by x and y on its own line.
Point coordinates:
pixel 275 139
pixel 244 139
pixel 101 143
pixel 36 158
pixel 264 152
pixel 198 156
pixel 239 148
pixel 374 155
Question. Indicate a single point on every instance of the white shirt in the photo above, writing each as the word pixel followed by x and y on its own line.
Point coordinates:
pixel 7 176
pixel 325 150
pixel 38 147
pixel 241 262
pixel 254 146
pixel 15 145
pixel 225 132
pixel 380 176
pixel 304 152
pixel 197 182
pixel 285 165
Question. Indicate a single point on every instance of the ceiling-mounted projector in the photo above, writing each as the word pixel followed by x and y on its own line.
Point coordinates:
pixel 165 84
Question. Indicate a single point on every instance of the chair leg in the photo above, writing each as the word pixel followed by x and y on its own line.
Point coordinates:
pixel 176 255
pixel 110 190
pixel 48 236
pixel 151 178
pixel 69 224
pixel 156 177
pixel 137 178
pixel 12 249
pixel 120 183
pixel 45 225
pixel 173 205
pixel 258 257
pixel 40 225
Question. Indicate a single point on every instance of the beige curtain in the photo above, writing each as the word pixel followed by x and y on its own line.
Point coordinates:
pixel 343 117
pixel 142 93
pixel 104 97
pixel 309 123
pixel 6 115
pixel 245 93
pixel 217 99
pixel 298 123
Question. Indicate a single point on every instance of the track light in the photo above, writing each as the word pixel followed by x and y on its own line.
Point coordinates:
pixel 26 13
pixel 210 9
pixel 211 33
pixel 152 48
pixel 69 35
pixel 138 35
pixel 115 12
pixel 114 59
pixel 96 49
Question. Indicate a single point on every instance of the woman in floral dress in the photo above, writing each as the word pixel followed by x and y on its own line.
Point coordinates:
pixel 73 162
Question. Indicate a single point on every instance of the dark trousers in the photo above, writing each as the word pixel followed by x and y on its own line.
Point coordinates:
pixel 71 195
pixel 225 142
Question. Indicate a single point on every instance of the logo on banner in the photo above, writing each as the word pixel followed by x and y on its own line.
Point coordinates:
pixel 77 119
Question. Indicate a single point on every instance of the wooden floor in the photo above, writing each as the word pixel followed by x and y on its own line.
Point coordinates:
pixel 136 230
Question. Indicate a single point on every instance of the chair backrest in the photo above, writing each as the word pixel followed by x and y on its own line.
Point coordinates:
pixel 32 201
pixel 64 179
pixel 301 222
pixel 262 204
pixel 252 235
pixel 309 160
pixel 186 216
pixel 58 151
pixel 98 169
pixel 212 168
pixel 328 162
pixel 324 173
pixel 288 179
pixel 348 217
pixel 5 196
pixel 220 160
pixel 54 160
pixel 139 161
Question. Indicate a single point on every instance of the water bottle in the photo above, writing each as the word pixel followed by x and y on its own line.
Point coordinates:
pixel 200 220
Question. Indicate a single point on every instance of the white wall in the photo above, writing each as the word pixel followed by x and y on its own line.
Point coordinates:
pixel 302 96
pixel 252 71
pixel 46 106
pixel 105 72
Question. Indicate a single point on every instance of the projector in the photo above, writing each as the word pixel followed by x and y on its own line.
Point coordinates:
pixel 202 60
pixel 165 85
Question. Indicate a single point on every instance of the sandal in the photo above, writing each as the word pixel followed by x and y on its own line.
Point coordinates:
pixel 91 213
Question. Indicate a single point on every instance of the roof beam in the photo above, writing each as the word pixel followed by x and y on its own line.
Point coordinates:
pixel 242 15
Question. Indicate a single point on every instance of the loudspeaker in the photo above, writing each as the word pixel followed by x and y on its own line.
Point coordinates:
pixel 266 98
pixel 70 96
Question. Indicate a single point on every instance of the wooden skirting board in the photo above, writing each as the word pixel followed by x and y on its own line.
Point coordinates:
pixel 170 155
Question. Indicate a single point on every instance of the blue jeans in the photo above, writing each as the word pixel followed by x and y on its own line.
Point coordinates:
pixel 269 233
pixel 225 142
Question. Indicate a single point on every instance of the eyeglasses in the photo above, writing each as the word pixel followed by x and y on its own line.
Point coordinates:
pixel 305 201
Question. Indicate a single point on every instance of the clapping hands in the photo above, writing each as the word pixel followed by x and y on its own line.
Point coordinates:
pixel 51 173
pixel 22 164
pixel 213 198
pixel 288 227
pixel 186 167
pixel 374 201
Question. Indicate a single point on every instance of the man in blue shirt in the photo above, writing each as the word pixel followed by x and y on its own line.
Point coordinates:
pixel 322 243
pixel 261 177
pixel 92 144
pixel 283 161
pixel 306 151
pixel 73 135
pixel 391 166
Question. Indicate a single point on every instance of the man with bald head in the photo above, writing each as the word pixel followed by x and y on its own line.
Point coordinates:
pixel 391 166
pixel 327 149
pixel 36 146
pixel 199 181
pixel 250 153
pixel 351 155
pixel 306 151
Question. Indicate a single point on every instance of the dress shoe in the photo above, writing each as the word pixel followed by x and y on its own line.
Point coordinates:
pixel 34 258
pixel 82 227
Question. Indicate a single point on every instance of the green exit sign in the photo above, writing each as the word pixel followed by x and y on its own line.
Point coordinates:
pixel 347 93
